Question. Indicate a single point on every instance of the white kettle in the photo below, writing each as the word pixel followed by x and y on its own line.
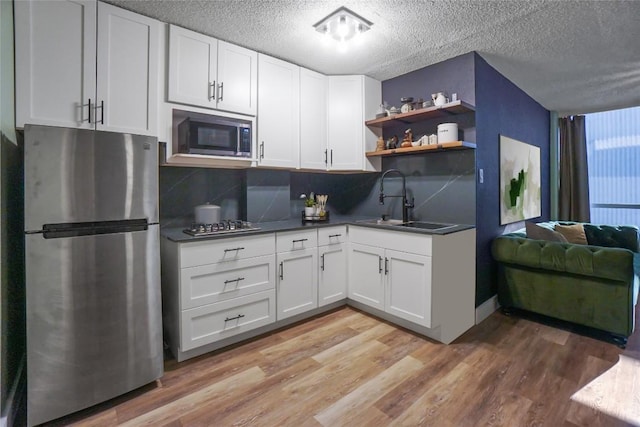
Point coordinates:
pixel 438 98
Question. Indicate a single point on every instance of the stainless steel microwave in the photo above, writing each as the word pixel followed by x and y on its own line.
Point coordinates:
pixel 213 135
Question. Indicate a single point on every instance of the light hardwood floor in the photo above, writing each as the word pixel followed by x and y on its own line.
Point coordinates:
pixel 346 368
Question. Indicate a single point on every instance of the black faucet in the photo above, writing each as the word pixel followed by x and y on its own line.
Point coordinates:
pixel 405 203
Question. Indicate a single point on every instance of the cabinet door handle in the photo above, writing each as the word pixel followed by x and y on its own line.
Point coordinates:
pixel 212 91
pixel 326 157
pixel 299 240
pixel 226 282
pixel 233 250
pixel 221 91
pixel 334 235
pixel 101 107
pixel 89 110
pixel 332 157
pixel 239 316
pixel 386 266
pixel 322 262
pixel 379 264
pixel 281 271
pixel 262 150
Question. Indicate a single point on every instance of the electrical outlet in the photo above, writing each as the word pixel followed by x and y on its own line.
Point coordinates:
pixel 481 177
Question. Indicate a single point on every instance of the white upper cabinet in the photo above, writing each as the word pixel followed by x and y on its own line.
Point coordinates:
pixel 278 113
pixel 237 79
pixel 351 100
pixel 192 67
pixel 55 62
pixel 210 73
pixel 127 85
pixel 62 46
pixel 313 120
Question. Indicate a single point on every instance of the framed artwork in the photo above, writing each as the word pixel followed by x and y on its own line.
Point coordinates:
pixel 519 181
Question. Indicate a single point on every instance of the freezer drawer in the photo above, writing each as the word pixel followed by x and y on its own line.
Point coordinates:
pixel 94 328
pixel 75 176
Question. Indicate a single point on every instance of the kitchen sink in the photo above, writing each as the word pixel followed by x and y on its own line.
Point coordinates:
pixel 379 221
pixel 426 225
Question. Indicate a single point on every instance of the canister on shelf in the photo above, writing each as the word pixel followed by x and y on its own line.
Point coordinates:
pixel 447 132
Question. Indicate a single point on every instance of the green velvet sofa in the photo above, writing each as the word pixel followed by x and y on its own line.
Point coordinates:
pixel 594 285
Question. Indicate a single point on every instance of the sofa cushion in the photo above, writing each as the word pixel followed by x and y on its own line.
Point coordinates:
pixel 612 236
pixel 540 232
pixel 573 233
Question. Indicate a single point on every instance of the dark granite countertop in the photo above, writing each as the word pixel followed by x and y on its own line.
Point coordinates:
pixel 176 234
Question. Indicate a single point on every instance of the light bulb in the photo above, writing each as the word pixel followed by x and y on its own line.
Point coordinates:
pixel 343 28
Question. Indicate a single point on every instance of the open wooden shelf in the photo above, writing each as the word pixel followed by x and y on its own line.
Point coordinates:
pixel 447 110
pixel 455 145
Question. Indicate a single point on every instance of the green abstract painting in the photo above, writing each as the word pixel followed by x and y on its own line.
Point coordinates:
pixel 519 181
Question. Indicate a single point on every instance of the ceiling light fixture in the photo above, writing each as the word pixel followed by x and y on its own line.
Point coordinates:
pixel 343 24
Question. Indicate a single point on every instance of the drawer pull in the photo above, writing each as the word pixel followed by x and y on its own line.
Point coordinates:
pixel 233 250
pixel 334 235
pixel 226 282
pixel 299 240
pixel 239 316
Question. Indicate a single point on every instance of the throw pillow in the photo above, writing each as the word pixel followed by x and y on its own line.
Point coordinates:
pixel 537 232
pixel 573 233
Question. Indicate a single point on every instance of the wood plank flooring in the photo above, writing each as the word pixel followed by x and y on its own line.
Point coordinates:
pixel 347 368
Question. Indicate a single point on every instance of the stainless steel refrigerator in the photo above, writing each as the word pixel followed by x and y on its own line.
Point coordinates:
pixel 92 268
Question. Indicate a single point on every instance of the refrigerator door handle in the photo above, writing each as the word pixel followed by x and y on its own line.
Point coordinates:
pixel 76 229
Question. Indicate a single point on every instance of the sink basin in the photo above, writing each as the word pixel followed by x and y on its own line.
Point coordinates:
pixel 379 221
pixel 426 225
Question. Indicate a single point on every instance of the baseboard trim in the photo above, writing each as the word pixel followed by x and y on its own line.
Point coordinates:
pixel 14 398
pixel 485 309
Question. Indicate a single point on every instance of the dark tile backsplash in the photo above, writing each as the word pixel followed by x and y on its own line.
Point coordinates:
pixel 267 195
pixel 442 184
pixel 181 189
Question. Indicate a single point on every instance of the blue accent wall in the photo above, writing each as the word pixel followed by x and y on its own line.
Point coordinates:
pixel 502 109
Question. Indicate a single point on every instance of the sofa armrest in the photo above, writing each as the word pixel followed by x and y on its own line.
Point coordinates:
pixel 595 261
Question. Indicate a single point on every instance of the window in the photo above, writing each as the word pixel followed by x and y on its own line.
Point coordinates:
pixel 613 156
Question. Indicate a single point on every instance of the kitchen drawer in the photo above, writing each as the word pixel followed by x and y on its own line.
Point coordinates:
pixel 332 235
pixel 296 240
pixel 214 322
pixel 210 283
pixel 414 243
pixel 231 249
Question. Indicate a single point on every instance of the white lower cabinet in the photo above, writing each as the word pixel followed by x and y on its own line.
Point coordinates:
pixel 297 283
pixel 398 283
pixel 366 275
pixel 332 255
pixel 422 282
pixel 216 289
pixel 395 281
pixel 408 287
pixel 213 322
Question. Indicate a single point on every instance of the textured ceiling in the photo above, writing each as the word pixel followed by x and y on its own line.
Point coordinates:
pixel 572 56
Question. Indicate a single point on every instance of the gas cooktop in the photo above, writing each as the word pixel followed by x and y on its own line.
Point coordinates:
pixel 224 227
